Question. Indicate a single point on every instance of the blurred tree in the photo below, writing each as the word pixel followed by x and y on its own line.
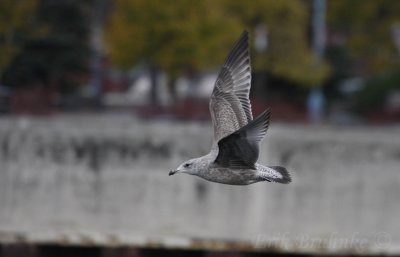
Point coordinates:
pixel 373 96
pixel 363 45
pixel 186 34
pixel 366 26
pixel 57 60
pixel 198 34
pixel 288 54
pixel 16 19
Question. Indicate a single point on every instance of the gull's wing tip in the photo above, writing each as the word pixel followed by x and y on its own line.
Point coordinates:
pixel 244 36
pixel 230 96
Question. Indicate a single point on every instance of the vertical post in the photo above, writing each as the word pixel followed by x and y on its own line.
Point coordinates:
pixel 261 46
pixel 319 27
pixel 316 100
pixel 95 79
pixel 97 49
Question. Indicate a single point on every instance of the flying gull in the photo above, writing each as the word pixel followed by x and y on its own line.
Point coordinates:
pixel 237 136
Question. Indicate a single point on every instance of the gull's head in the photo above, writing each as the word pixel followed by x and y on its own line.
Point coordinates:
pixel 191 167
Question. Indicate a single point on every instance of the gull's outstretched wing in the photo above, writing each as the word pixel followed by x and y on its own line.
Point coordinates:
pixel 230 105
pixel 241 148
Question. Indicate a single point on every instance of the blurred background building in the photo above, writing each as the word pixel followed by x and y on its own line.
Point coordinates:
pixel 76 75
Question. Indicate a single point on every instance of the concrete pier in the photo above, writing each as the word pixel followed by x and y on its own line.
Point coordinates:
pixel 103 180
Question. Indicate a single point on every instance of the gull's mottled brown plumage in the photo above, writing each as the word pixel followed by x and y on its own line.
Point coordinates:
pixel 235 150
pixel 230 106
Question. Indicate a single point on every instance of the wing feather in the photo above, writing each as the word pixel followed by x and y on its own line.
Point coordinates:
pixel 241 148
pixel 230 106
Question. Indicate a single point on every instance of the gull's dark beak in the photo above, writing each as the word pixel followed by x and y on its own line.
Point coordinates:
pixel 172 172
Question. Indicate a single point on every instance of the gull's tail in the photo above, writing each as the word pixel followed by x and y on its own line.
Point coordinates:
pixel 276 174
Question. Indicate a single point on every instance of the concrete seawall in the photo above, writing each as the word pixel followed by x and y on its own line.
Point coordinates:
pixel 104 180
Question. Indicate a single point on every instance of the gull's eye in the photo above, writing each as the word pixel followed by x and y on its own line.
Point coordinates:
pixel 187 165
